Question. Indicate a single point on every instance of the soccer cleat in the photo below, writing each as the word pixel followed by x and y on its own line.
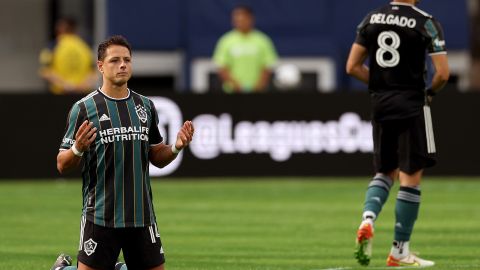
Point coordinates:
pixel 363 251
pixel 63 260
pixel 411 260
pixel 119 266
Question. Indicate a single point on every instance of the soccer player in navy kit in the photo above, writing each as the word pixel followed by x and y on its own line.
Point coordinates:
pixel 396 38
pixel 114 131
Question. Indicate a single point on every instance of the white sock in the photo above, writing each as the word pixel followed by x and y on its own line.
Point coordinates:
pixel 400 249
pixel 369 215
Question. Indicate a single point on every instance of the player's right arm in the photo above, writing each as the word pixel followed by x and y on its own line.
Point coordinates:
pixel 356 63
pixel 358 54
pixel 85 136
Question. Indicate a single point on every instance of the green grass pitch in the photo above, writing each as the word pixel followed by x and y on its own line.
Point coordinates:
pixel 247 224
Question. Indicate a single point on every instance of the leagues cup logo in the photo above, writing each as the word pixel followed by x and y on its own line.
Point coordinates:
pixel 142 113
pixel 170 120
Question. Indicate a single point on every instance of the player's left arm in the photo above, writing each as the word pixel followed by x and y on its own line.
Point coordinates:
pixel 161 154
pixel 356 63
pixel 442 71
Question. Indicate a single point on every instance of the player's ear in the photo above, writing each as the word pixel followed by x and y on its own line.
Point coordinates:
pixel 100 66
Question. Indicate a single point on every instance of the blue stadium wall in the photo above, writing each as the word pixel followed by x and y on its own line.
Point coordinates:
pixel 315 26
pixel 248 135
pixel 298 28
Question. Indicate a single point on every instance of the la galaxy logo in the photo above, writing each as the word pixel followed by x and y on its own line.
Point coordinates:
pixel 142 113
pixel 89 246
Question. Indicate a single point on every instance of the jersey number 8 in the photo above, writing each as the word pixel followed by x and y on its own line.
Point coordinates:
pixel 390 48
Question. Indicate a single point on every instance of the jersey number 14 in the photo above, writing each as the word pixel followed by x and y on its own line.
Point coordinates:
pixel 390 48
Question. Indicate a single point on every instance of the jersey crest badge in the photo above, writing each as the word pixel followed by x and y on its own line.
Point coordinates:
pixel 142 113
pixel 90 246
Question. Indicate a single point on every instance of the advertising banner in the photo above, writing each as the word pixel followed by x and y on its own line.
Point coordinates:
pixel 281 134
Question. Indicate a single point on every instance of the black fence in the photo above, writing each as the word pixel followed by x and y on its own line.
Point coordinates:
pixel 248 135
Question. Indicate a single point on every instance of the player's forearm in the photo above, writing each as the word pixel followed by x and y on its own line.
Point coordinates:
pixel 67 161
pixel 360 72
pixel 442 71
pixel 161 155
pixel 439 80
pixel 355 63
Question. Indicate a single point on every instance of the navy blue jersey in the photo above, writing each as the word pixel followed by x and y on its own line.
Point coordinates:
pixel 398 37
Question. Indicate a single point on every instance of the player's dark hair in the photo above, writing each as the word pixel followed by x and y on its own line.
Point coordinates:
pixel 113 40
pixel 244 8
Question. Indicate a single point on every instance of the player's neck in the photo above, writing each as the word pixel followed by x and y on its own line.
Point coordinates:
pixel 115 91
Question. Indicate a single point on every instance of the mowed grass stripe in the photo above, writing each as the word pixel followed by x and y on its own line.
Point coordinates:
pixel 233 223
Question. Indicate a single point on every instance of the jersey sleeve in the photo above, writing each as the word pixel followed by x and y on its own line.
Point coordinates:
pixel 434 32
pixel 270 53
pixel 75 118
pixel 154 136
pixel 361 32
pixel 220 55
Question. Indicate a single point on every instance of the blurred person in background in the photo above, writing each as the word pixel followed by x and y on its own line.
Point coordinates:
pixel 396 38
pixel 244 56
pixel 67 64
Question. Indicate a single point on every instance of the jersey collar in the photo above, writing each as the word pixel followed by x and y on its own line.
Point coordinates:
pixel 112 98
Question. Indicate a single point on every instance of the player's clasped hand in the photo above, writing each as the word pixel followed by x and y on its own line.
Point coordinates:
pixel 185 135
pixel 86 134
